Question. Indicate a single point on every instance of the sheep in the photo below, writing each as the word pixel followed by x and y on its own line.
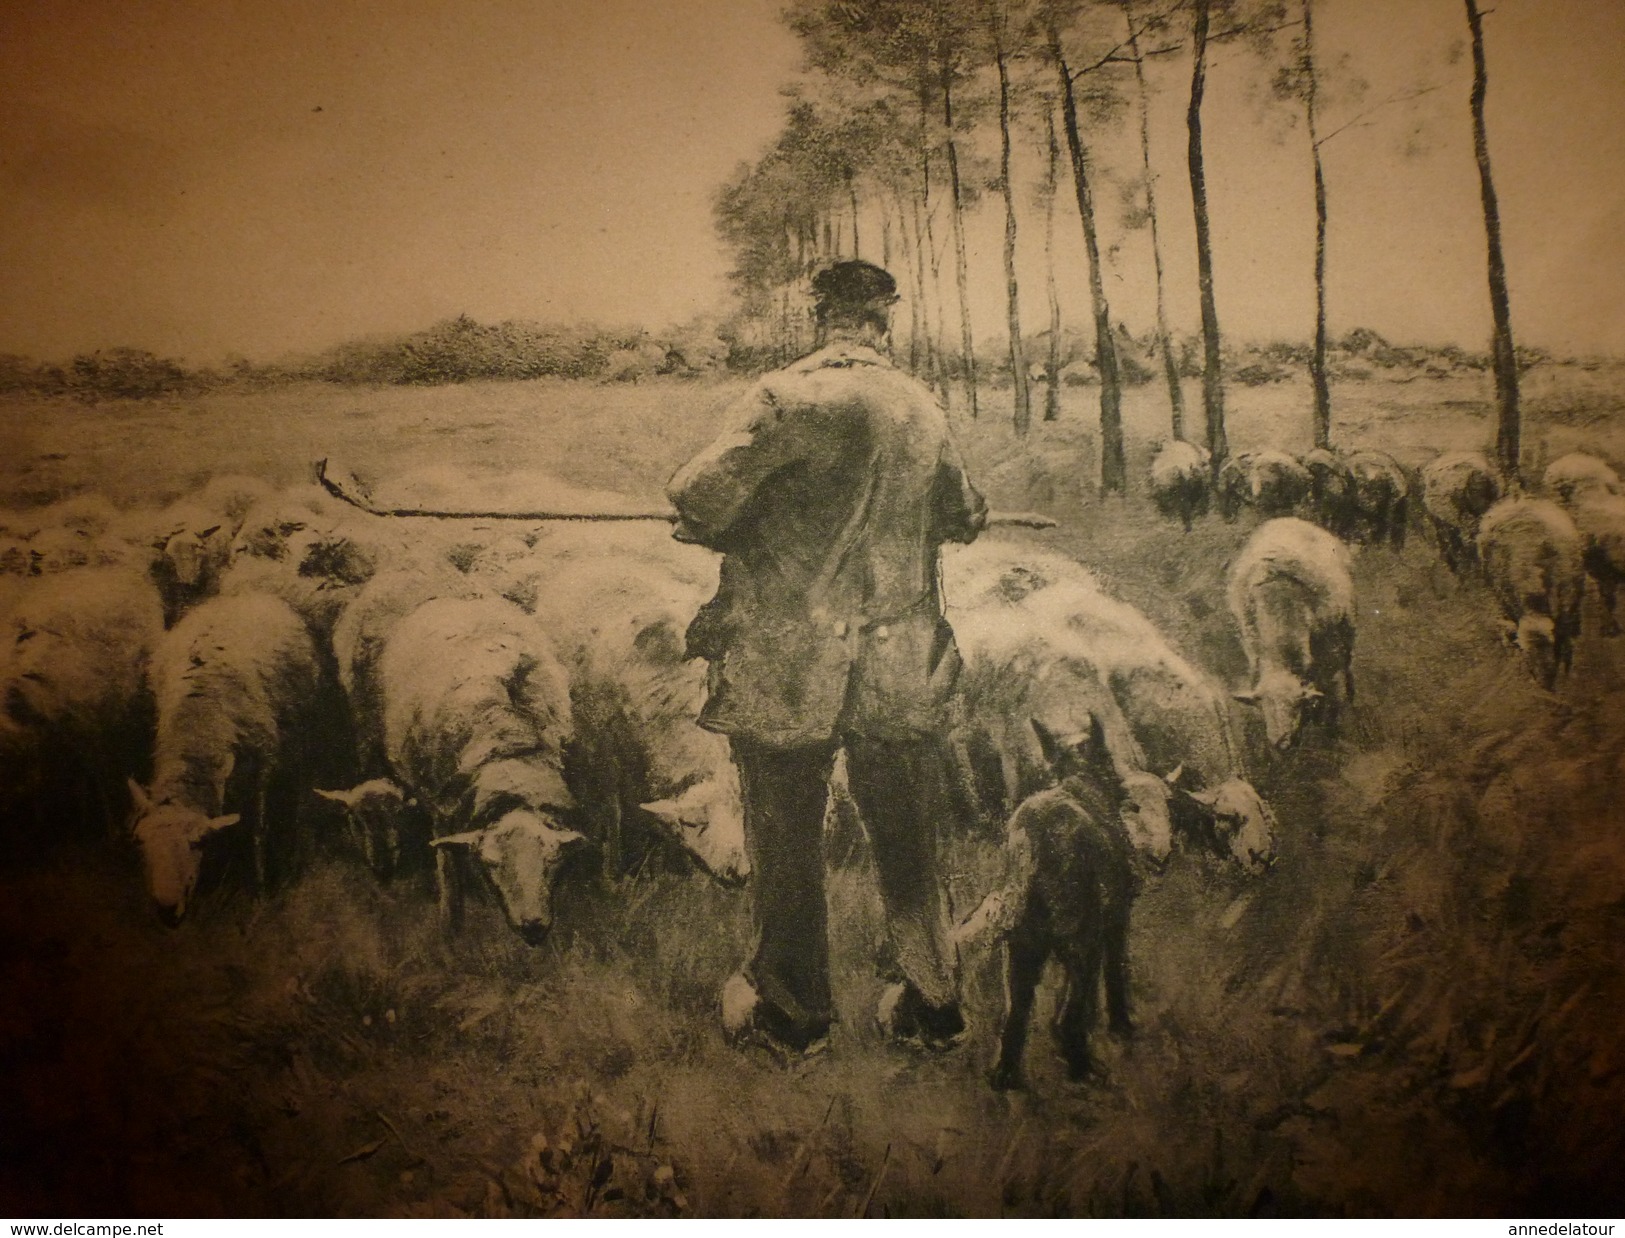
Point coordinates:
pixel 1180 481
pixel 1600 517
pixel 382 824
pixel 619 621
pixel 240 688
pixel 191 549
pixel 1532 559
pixel 1270 482
pixel 75 713
pixel 303 546
pixel 1331 501
pixel 1291 591
pixel 1457 489
pixel 1577 476
pixel 476 717
pixel 1382 503
pixel 1038 633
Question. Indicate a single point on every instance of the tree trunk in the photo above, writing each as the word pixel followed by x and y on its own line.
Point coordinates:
pixel 1317 364
pixel 1212 363
pixel 925 234
pixel 1022 415
pixel 1113 468
pixel 1507 447
pixel 956 201
pixel 1052 185
pixel 852 197
pixel 1170 367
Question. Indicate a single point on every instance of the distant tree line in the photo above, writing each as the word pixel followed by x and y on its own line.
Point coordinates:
pixel 454 351
pixel 907 112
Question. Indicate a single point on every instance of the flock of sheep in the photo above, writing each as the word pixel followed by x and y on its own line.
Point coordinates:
pixel 250 673
pixel 1535 552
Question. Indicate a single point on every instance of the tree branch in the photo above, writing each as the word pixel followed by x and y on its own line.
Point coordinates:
pixel 1115 56
pixel 1356 120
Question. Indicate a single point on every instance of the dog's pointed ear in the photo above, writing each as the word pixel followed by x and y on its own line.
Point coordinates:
pixel 139 796
pixel 1173 776
pixel 1098 746
pixel 1051 745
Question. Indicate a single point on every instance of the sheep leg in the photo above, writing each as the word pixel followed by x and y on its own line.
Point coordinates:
pixel 1024 959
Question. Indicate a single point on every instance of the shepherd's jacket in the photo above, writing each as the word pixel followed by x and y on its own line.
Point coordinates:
pixel 829 494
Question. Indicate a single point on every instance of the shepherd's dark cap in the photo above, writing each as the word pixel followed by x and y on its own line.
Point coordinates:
pixel 854 283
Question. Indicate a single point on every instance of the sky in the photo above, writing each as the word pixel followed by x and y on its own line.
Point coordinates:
pixel 261 177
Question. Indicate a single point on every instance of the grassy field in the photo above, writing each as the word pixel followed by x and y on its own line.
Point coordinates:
pixel 1418 1012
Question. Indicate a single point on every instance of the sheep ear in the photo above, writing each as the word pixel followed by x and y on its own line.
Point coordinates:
pixel 1173 776
pixel 347 798
pixel 139 796
pixel 214 825
pixel 468 840
pixel 1205 798
pixel 1312 694
pixel 1249 697
pixel 664 811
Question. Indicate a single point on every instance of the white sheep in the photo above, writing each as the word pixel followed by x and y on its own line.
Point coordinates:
pixel 1180 480
pixel 311 551
pixel 1382 500
pixel 1270 482
pixel 75 715
pixel 1291 591
pixel 383 826
pixel 476 718
pixel 620 621
pixel 1578 476
pixel 1600 518
pixel 1533 561
pixel 1041 637
pixel 1457 489
pixel 240 689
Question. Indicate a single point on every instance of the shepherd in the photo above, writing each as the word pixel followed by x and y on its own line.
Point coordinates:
pixel 829 495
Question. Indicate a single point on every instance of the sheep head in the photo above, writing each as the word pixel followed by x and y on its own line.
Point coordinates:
pixel 522 855
pixel 172 838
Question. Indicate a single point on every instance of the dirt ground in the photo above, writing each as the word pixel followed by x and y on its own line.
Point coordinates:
pixel 1418 1012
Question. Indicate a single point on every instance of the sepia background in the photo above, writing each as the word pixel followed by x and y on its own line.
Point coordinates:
pixel 507 255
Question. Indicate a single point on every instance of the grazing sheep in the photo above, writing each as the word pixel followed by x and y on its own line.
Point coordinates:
pixel 476 716
pixel 1382 503
pixel 1533 562
pixel 75 714
pixel 1180 481
pixel 1040 635
pixel 1457 489
pixel 1577 476
pixel 1600 517
pixel 1272 483
pixel 383 826
pixel 307 549
pixel 191 549
pixel 1291 590
pixel 619 622
pixel 1331 502
pixel 240 689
